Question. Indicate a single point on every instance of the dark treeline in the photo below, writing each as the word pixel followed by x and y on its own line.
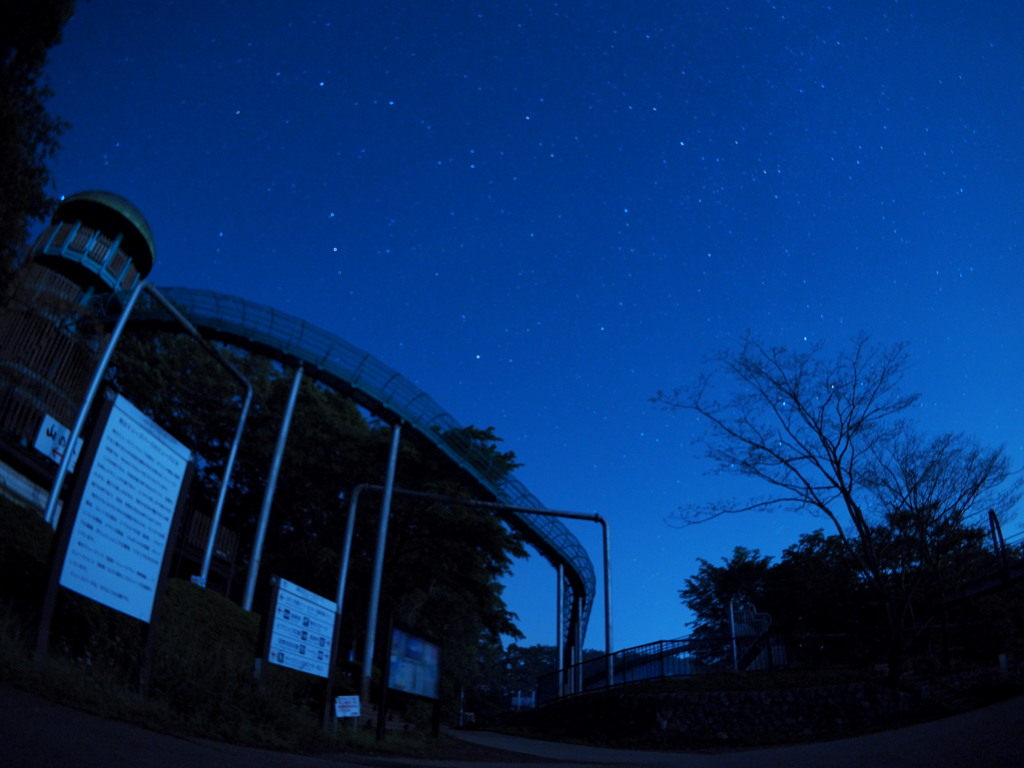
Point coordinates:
pixel 818 597
pixel 443 562
pixel 830 435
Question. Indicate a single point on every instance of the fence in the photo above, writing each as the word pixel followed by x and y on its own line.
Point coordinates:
pixel 686 657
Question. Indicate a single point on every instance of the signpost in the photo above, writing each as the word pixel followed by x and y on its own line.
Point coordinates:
pixel 52 441
pixel 346 706
pixel 114 537
pixel 413 667
pixel 301 629
pixel 122 524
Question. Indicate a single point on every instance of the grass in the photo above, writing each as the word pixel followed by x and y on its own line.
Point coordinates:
pixel 201 683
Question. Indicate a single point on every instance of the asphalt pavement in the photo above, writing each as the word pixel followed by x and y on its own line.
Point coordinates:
pixel 36 733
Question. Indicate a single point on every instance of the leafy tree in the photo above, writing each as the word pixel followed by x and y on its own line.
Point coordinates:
pixel 825 435
pixel 443 561
pixel 740 579
pixel 28 133
pixel 522 665
pixel 932 491
pixel 817 587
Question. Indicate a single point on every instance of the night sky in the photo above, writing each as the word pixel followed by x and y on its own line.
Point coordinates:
pixel 542 213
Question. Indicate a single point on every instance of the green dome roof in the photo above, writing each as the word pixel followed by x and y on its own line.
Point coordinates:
pixel 112 214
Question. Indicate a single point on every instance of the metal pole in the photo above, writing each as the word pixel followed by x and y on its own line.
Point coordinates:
pixel 544 513
pixel 346 551
pixel 346 554
pixel 268 494
pixel 732 632
pixel 998 543
pixel 50 513
pixel 225 481
pixel 560 618
pixel 577 650
pixel 608 602
pixel 378 566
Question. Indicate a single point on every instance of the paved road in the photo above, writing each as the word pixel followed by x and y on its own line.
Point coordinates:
pixel 35 733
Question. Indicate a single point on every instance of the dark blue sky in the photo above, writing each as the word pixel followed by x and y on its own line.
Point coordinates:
pixel 542 213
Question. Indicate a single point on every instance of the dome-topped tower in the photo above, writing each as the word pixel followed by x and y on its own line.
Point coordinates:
pixel 97 244
pixel 98 240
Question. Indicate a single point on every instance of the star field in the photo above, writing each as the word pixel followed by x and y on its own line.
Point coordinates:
pixel 544 212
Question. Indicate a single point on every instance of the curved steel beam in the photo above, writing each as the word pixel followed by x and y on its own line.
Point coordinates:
pixel 390 396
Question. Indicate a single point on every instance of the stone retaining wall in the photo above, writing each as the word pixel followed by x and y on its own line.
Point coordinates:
pixel 731 718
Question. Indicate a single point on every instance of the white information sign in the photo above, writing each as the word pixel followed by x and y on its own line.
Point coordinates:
pixel 52 440
pixel 302 630
pixel 415 665
pixel 346 706
pixel 116 547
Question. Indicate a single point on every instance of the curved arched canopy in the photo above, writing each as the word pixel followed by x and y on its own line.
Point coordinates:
pixel 385 393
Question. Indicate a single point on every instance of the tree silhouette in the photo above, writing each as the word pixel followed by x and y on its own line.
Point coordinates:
pixel 28 133
pixel 825 435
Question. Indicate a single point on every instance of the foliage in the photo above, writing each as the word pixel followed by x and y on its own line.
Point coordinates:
pixel 25 541
pixel 443 561
pixel 740 579
pixel 522 665
pixel 825 435
pixel 204 671
pixel 817 587
pixel 480 446
pixel 28 133
pixel 818 590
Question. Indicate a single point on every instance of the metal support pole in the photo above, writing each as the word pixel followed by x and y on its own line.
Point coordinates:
pixel 608 648
pixel 268 493
pixel 50 513
pixel 560 619
pixel 732 634
pixel 225 363
pixel 346 550
pixel 378 567
pixel 544 513
pixel 998 543
pixel 346 554
pixel 577 624
pixel 224 483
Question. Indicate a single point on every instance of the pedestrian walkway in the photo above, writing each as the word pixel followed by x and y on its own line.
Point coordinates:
pixel 988 737
pixel 555 750
pixel 36 733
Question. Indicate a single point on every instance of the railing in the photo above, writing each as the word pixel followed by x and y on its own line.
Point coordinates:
pixel 687 657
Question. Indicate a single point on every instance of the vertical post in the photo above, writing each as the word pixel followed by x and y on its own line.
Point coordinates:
pixel 732 633
pixel 346 550
pixel 50 513
pixel 174 312
pixel 608 603
pixel 346 555
pixel 560 629
pixel 577 625
pixel 225 481
pixel 378 567
pixel 268 494
pixel 998 544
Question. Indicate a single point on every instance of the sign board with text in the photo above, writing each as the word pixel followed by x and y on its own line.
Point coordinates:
pixel 414 665
pixel 301 629
pixel 124 511
pixel 347 706
pixel 52 441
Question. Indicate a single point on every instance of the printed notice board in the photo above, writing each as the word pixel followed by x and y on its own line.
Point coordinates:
pixel 301 629
pixel 414 666
pixel 123 521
